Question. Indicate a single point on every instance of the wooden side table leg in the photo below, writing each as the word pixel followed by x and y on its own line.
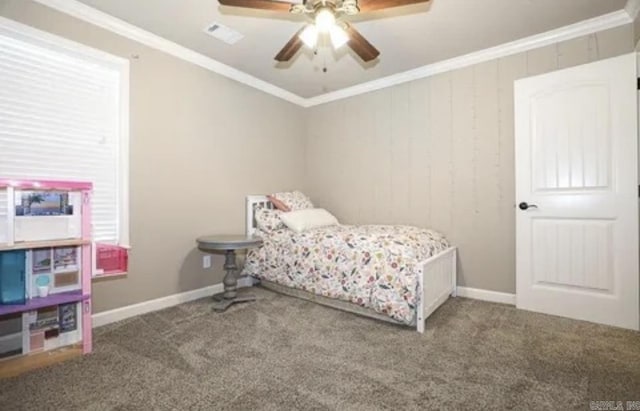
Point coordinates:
pixel 230 280
pixel 230 294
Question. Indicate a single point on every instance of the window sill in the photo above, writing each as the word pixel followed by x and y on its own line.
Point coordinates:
pixel 110 275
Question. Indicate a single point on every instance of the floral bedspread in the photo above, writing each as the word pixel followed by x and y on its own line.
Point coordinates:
pixel 375 266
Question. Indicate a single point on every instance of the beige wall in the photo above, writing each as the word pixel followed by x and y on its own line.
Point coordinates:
pixel 199 144
pixel 439 152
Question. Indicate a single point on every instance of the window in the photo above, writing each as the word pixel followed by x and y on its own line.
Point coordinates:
pixel 64 116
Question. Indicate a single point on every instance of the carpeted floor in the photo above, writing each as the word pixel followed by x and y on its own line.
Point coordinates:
pixel 282 353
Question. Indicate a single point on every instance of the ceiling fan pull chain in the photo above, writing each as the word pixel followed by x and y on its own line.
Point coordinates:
pixel 324 59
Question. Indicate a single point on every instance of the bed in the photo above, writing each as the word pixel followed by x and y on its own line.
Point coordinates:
pixel 399 274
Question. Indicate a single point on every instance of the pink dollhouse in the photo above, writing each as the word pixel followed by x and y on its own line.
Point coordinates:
pixel 47 262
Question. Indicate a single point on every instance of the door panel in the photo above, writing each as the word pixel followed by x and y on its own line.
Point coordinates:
pixel 571 147
pixel 574 253
pixel 577 163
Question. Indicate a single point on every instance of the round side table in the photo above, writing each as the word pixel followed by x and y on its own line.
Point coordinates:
pixel 228 244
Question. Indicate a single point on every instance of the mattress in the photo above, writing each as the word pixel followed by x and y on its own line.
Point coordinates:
pixel 373 266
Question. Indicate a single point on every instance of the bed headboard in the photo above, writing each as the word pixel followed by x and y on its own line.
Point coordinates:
pixel 254 203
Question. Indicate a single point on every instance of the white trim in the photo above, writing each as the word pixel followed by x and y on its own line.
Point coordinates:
pixel 122 313
pixel 94 16
pixel 10 342
pixel 108 22
pixel 123 160
pixel 487 295
pixel 632 8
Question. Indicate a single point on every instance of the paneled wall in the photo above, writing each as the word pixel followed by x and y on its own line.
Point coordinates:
pixel 439 152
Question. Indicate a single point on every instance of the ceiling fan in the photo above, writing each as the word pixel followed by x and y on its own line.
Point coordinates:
pixel 327 18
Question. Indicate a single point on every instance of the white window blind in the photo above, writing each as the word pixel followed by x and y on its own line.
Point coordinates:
pixel 61 119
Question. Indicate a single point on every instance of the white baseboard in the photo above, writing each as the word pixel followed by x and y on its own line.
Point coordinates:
pixel 122 313
pixel 10 342
pixel 486 295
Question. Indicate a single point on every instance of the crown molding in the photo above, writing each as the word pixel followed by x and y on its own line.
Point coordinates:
pixel 91 15
pixel 579 29
pixel 108 22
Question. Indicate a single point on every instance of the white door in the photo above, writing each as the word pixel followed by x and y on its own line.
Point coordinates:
pixel 577 193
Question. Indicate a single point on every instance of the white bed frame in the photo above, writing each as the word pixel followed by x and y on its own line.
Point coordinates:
pixel 437 282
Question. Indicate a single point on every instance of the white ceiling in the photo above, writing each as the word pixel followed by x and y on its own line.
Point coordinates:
pixel 407 37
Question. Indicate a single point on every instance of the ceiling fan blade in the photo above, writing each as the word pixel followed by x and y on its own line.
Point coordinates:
pixel 373 5
pixel 360 45
pixel 291 48
pixel 258 4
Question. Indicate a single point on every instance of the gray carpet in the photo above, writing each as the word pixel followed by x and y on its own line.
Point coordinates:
pixel 283 353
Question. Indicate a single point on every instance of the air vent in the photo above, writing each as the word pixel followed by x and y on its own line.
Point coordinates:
pixel 223 33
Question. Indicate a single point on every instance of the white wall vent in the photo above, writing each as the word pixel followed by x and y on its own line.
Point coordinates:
pixel 223 33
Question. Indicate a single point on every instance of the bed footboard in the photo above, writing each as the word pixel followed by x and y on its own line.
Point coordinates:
pixel 436 284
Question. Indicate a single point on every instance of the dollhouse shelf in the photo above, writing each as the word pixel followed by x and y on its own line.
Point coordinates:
pixel 17 365
pixel 51 300
pixel 27 245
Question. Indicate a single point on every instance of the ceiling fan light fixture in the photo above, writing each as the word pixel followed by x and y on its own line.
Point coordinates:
pixel 339 37
pixel 325 20
pixel 309 36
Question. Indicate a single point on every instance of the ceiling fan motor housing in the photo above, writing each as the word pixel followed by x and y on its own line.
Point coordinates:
pixel 349 7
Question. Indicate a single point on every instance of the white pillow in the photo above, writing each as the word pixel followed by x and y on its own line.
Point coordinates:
pixel 301 220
